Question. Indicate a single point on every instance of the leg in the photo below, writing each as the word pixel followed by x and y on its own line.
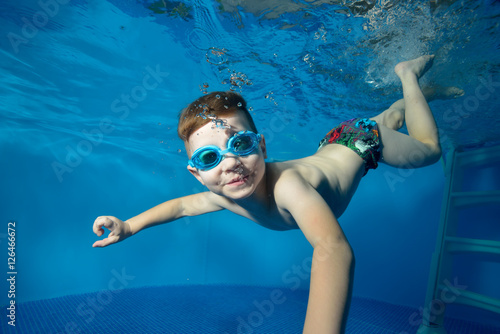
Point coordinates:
pixel 394 117
pixel 422 147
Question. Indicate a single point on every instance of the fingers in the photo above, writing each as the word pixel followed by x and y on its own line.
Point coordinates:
pixel 98 243
pixel 107 222
pixel 106 241
pixel 118 229
pixel 100 222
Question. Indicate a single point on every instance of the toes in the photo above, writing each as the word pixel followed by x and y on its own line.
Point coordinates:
pixel 458 92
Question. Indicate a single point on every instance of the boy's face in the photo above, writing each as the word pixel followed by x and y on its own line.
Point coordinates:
pixel 235 177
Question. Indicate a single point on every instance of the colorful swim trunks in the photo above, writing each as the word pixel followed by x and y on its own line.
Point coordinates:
pixel 360 135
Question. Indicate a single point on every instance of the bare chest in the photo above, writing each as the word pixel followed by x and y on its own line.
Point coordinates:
pixel 272 217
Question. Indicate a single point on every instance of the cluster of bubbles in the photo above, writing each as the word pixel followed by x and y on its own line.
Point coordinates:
pixel 217 123
pixel 239 169
pixel 204 87
pixel 216 56
pixel 308 59
pixel 220 124
pixel 205 114
pixel 320 34
pixel 238 80
pixel 270 97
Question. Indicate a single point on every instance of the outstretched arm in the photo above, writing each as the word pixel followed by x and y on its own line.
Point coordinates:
pixel 192 205
pixel 333 260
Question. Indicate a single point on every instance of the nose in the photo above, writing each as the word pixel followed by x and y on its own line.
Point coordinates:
pixel 230 162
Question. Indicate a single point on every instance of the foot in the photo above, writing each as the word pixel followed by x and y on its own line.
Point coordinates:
pixel 416 67
pixel 442 93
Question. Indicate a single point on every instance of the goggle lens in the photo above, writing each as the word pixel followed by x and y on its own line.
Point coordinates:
pixel 207 157
pixel 242 144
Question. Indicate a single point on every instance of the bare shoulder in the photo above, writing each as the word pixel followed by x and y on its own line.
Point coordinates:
pixel 290 184
pixel 317 170
pixel 333 172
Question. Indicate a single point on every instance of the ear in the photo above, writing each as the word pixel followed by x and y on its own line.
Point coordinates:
pixel 195 173
pixel 263 146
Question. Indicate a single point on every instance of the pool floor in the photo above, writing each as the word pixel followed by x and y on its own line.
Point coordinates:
pixel 207 309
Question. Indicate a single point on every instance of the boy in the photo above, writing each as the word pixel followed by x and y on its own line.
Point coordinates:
pixel 307 194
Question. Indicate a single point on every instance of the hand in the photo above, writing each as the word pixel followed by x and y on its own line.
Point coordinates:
pixel 118 230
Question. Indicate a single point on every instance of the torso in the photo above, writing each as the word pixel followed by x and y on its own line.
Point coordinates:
pixel 334 171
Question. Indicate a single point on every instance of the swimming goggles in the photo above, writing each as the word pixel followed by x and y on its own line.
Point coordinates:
pixel 243 143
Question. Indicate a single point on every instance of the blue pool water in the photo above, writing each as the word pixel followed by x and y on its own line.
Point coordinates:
pixel 90 93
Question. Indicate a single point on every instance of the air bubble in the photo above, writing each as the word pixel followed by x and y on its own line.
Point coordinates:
pixel 239 104
pixel 203 88
pixel 321 34
pixel 220 124
pixel 217 96
pixel 239 170
pixel 216 56
pixel 239 79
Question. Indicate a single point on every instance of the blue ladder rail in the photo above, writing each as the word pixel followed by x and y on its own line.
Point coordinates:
pixel 448 244
pixel 472 198
pixel 467 245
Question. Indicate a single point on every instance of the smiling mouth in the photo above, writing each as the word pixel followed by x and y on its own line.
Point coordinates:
pixel 238 181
